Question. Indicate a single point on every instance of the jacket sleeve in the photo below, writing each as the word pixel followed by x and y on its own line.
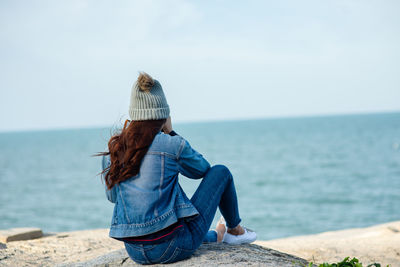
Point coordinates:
pixel 110 193
pixel 191 163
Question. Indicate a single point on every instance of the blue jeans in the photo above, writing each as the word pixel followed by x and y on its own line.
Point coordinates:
pixel 217 189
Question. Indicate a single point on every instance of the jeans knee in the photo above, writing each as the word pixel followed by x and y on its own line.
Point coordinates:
pixel 222 170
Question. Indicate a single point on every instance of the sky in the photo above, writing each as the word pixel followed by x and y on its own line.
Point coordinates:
pixel 67 64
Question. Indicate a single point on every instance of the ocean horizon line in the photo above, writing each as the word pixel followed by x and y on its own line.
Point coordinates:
pixel 206 121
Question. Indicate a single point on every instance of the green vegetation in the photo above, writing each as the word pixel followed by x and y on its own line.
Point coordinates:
pixel 346 263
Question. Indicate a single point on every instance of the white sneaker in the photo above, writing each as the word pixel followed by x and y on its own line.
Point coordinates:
pixel 247 237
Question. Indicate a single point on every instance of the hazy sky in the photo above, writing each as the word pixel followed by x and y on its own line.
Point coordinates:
pixel 72 63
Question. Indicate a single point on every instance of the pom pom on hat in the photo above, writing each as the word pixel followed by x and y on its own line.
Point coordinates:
pixel 145 82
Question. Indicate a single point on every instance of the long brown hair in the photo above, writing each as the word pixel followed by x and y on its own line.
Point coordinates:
pixel 128 148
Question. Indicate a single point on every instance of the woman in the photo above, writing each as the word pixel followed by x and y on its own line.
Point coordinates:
pixel 152 215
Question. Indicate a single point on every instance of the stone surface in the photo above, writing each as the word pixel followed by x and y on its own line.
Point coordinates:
pixel 53 249
pixel 207 255
pixel 17 234
pixel 379 243
pixel 95 248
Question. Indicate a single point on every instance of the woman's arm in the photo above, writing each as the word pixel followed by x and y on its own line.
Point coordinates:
pixel 190 162
pixel 110 193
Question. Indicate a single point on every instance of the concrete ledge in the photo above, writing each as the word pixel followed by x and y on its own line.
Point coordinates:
pixel 17 234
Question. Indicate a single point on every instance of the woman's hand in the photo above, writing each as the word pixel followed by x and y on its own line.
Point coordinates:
pixel 167 128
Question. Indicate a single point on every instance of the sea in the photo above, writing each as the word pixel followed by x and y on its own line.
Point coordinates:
pixel 294 176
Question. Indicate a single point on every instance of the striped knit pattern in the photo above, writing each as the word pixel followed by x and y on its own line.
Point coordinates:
pixel 148 105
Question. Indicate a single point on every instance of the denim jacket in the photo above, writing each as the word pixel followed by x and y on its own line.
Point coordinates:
pixel 153 199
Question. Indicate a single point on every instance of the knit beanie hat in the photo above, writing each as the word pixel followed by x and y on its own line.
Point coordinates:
pixel 148 101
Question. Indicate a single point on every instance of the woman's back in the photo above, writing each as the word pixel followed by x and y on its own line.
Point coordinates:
pixel 153 199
